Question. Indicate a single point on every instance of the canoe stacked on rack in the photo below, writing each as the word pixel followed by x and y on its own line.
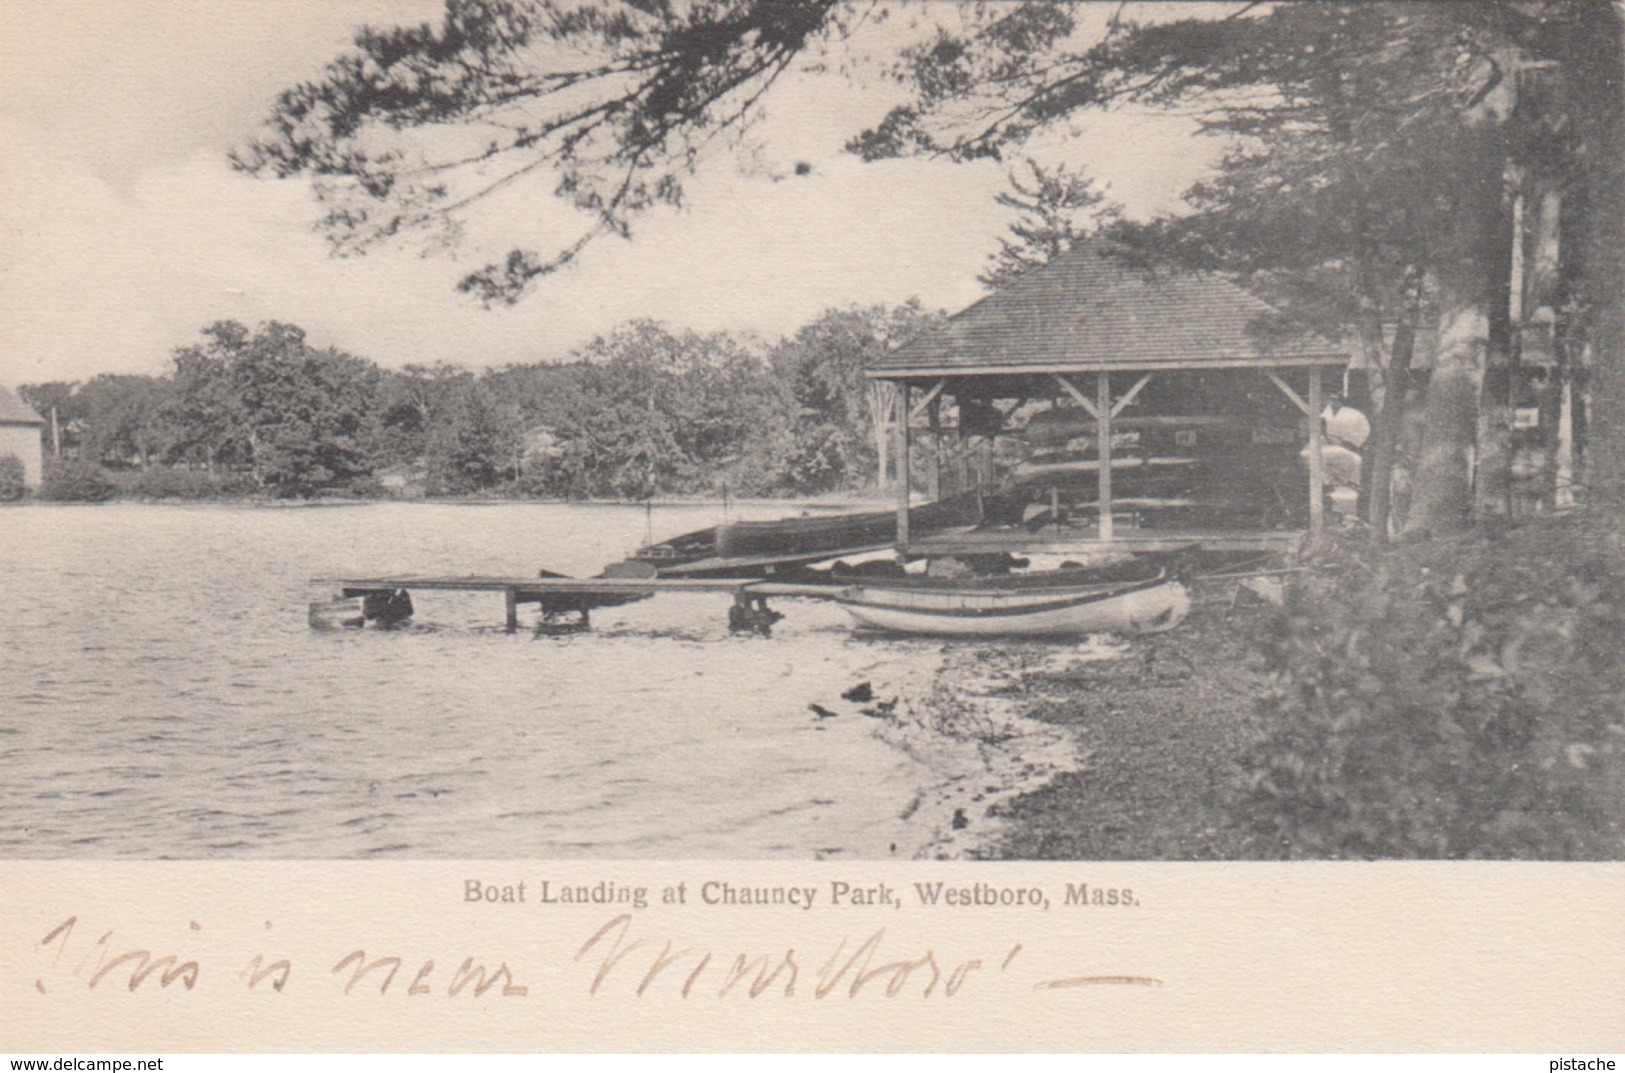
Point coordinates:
pixel 1214 474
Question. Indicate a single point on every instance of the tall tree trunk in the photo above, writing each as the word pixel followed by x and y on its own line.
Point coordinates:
pixel 1473 273
pixel 1385 436
pixel 1541 342
pixel 879 399
pixel 1597 105
pixel 1443 500
pixel 1492 482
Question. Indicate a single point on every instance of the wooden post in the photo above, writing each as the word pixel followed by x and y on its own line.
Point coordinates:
pixel 510 600
pixel 1103 450
pixel 1317 473
pixel 935 473
pixel 901 445
pixel 961 448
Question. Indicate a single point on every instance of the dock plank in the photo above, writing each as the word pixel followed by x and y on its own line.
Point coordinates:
pixel 524 586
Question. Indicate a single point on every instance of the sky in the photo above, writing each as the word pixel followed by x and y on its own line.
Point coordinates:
pixel 123 230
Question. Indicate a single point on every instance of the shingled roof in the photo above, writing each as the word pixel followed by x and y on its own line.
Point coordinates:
pixel 14 411
pixel 1089 310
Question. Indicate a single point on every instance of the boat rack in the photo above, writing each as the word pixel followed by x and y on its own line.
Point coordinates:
pixel 388 599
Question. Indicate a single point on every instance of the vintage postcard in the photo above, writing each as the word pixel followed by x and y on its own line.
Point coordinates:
pixel 812 525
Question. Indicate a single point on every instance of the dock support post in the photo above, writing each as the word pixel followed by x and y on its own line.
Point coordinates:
pixel 901 451
pixel 510 600
pixel 1317 473
pixel 1103 450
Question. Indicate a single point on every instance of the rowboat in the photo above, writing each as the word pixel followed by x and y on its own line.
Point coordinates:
pixel 1035 610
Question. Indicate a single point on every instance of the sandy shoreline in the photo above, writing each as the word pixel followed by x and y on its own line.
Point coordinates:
pixel 1109 749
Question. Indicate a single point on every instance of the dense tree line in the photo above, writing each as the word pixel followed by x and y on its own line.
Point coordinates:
pixel 642 411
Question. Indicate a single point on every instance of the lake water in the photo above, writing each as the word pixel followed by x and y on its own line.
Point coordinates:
pixel 161 695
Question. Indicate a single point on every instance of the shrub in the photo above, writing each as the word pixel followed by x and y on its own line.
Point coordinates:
pixel 169 482
pixel 363 487
pixel 1460 702
pixel 77 481
pixel 528 486
pixel 12 475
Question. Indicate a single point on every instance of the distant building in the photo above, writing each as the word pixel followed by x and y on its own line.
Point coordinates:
pixel 20 429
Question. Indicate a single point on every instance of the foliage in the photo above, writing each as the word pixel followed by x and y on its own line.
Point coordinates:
pixel 1462 702
pixel 643 410
pixel 120 419
pixel 74 481
pixel 832 431
pixel 179 482
pixel 411 401
pixel 299 418
pixel 12 475
pixel 611 104
pixel 658 411
pixel 477 443
pixel 1057 206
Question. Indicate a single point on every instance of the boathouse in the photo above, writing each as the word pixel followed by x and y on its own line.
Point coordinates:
pixel 20 429
pixel 1100 402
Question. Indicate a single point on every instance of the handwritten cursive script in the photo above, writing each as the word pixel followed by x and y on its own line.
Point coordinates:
pixel 616 958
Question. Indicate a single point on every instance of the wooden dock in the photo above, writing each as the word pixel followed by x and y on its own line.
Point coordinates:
pixel 557 592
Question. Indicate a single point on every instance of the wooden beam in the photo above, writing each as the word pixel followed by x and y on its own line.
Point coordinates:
pixel 930 397
pixel 1103 430
pixel 510 601
pixel 1286 389
pixel 900 434
pixel 1117 407
pixel 1006 415
pixel 1082 400
pixel 1317 473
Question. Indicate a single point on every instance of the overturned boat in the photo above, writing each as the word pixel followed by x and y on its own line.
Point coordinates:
pixel 739 548
pixel 843 532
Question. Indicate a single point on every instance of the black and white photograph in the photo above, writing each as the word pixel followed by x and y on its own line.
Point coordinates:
pixel 812 430
pixel 838 432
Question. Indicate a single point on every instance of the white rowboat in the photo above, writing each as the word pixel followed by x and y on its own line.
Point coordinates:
pixel 1140 607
